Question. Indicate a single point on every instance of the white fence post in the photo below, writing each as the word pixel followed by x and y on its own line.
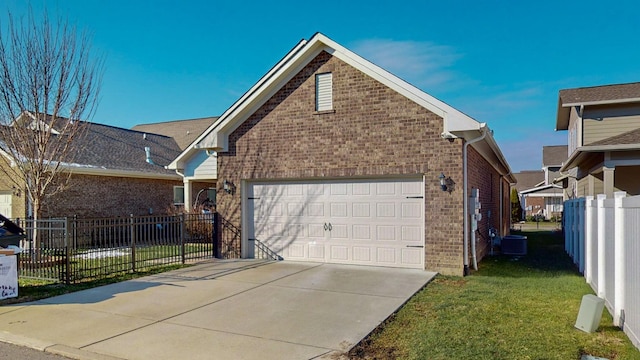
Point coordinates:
pixel 618 318
pixel 588 239
pixel 601 246
pixel 580 235
pixel 568 225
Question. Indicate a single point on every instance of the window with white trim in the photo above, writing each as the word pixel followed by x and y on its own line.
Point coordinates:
pixel 324 92
pixel 178 195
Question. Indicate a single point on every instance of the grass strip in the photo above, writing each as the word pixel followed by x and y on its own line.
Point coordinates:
pixel 512 308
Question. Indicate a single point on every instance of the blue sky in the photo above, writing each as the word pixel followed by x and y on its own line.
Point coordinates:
pixel 501 62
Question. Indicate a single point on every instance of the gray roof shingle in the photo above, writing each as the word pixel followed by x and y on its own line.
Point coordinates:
pixel 183 131
pixel 528 179
pixel 107 148
pixel 116 148
pixel 600 93
pixel 554 155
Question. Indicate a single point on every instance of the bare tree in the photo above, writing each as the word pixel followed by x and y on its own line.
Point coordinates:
pixel 49 81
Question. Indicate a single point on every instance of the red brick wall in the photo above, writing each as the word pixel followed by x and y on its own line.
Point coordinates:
pixel 536 203
pixel 485 178
pixel 103 196
pixel 373 132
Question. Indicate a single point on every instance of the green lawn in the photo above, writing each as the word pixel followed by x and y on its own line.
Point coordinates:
pixel 512 308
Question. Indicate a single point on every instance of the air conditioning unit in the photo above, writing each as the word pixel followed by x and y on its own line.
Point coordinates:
pixel 514 245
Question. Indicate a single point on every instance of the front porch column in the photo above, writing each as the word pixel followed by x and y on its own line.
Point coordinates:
pixel 188 194
pixel 608 179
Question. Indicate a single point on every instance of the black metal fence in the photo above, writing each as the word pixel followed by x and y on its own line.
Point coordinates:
pixel 73 250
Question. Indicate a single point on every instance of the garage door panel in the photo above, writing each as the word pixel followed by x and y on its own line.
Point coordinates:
pixel 361 232
pixel 386 255
pixel 386 233
pixel 338 189
pixel 295 231
pixel 385 210
pixel 411 188
pixel 411 234
pixel 368 222
pixel 386 188
pixel 339 253
pixel 411 210
pixel 339 231
pixel 361 210
pixel 316 231
pixel 316 252
pixel 412 256
pixel 296 251
pixel 338 209
pixel 295 190
pixel 315 209
pixel 361 189
pixel 362 254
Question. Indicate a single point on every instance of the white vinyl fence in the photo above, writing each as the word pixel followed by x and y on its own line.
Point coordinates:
pixel 602 236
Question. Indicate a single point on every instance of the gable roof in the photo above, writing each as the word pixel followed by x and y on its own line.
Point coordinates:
pixel 112 151
pixel 456 123
pixel 528 179
pixel 545 190
pixel 554 155
pixel 594 95
pixel 183 131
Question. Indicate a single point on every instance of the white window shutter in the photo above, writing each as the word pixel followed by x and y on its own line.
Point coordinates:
pixel 324 92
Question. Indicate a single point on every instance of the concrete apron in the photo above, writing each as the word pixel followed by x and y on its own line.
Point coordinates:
pixel 246 309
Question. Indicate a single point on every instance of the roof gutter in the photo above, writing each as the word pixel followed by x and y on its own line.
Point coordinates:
pixel 465 156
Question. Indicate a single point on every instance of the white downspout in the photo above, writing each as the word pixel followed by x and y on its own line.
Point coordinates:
pixel 465 181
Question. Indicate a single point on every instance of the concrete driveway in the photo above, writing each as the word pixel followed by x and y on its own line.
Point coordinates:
pixel 218 310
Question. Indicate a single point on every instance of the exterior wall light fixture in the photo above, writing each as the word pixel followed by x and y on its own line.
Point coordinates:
pixel 446 183
pixel 228 187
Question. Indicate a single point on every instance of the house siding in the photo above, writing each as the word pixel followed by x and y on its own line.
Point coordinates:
pixel 105 196
pixel 202 166
pixel 373 132
pixel 575 131
pixel 603 122
pixel 18 196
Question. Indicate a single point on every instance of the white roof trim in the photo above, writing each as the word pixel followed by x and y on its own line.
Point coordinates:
pixel 602 102
pixel 100 171
pixel 456 123
pixel 540 188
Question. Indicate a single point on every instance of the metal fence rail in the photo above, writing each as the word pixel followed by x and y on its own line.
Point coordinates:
pixel 73 250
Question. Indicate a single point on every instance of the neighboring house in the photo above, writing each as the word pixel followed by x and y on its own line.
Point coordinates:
pixel 604 139
pixel 330 158
pixel 529 179
pixel 539 195
pixel 185 132
pixel 117 172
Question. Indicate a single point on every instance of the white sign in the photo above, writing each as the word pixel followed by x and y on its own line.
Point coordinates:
pixel 8 277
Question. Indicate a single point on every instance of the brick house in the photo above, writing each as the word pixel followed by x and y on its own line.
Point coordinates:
pixel 329 158
pixel 118 172
pixel 539 194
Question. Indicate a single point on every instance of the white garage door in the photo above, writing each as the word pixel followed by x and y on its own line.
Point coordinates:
pixel 368 222
pixel 5 205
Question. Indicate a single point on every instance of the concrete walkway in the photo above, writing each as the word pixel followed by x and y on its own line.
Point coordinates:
pixel 218 310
